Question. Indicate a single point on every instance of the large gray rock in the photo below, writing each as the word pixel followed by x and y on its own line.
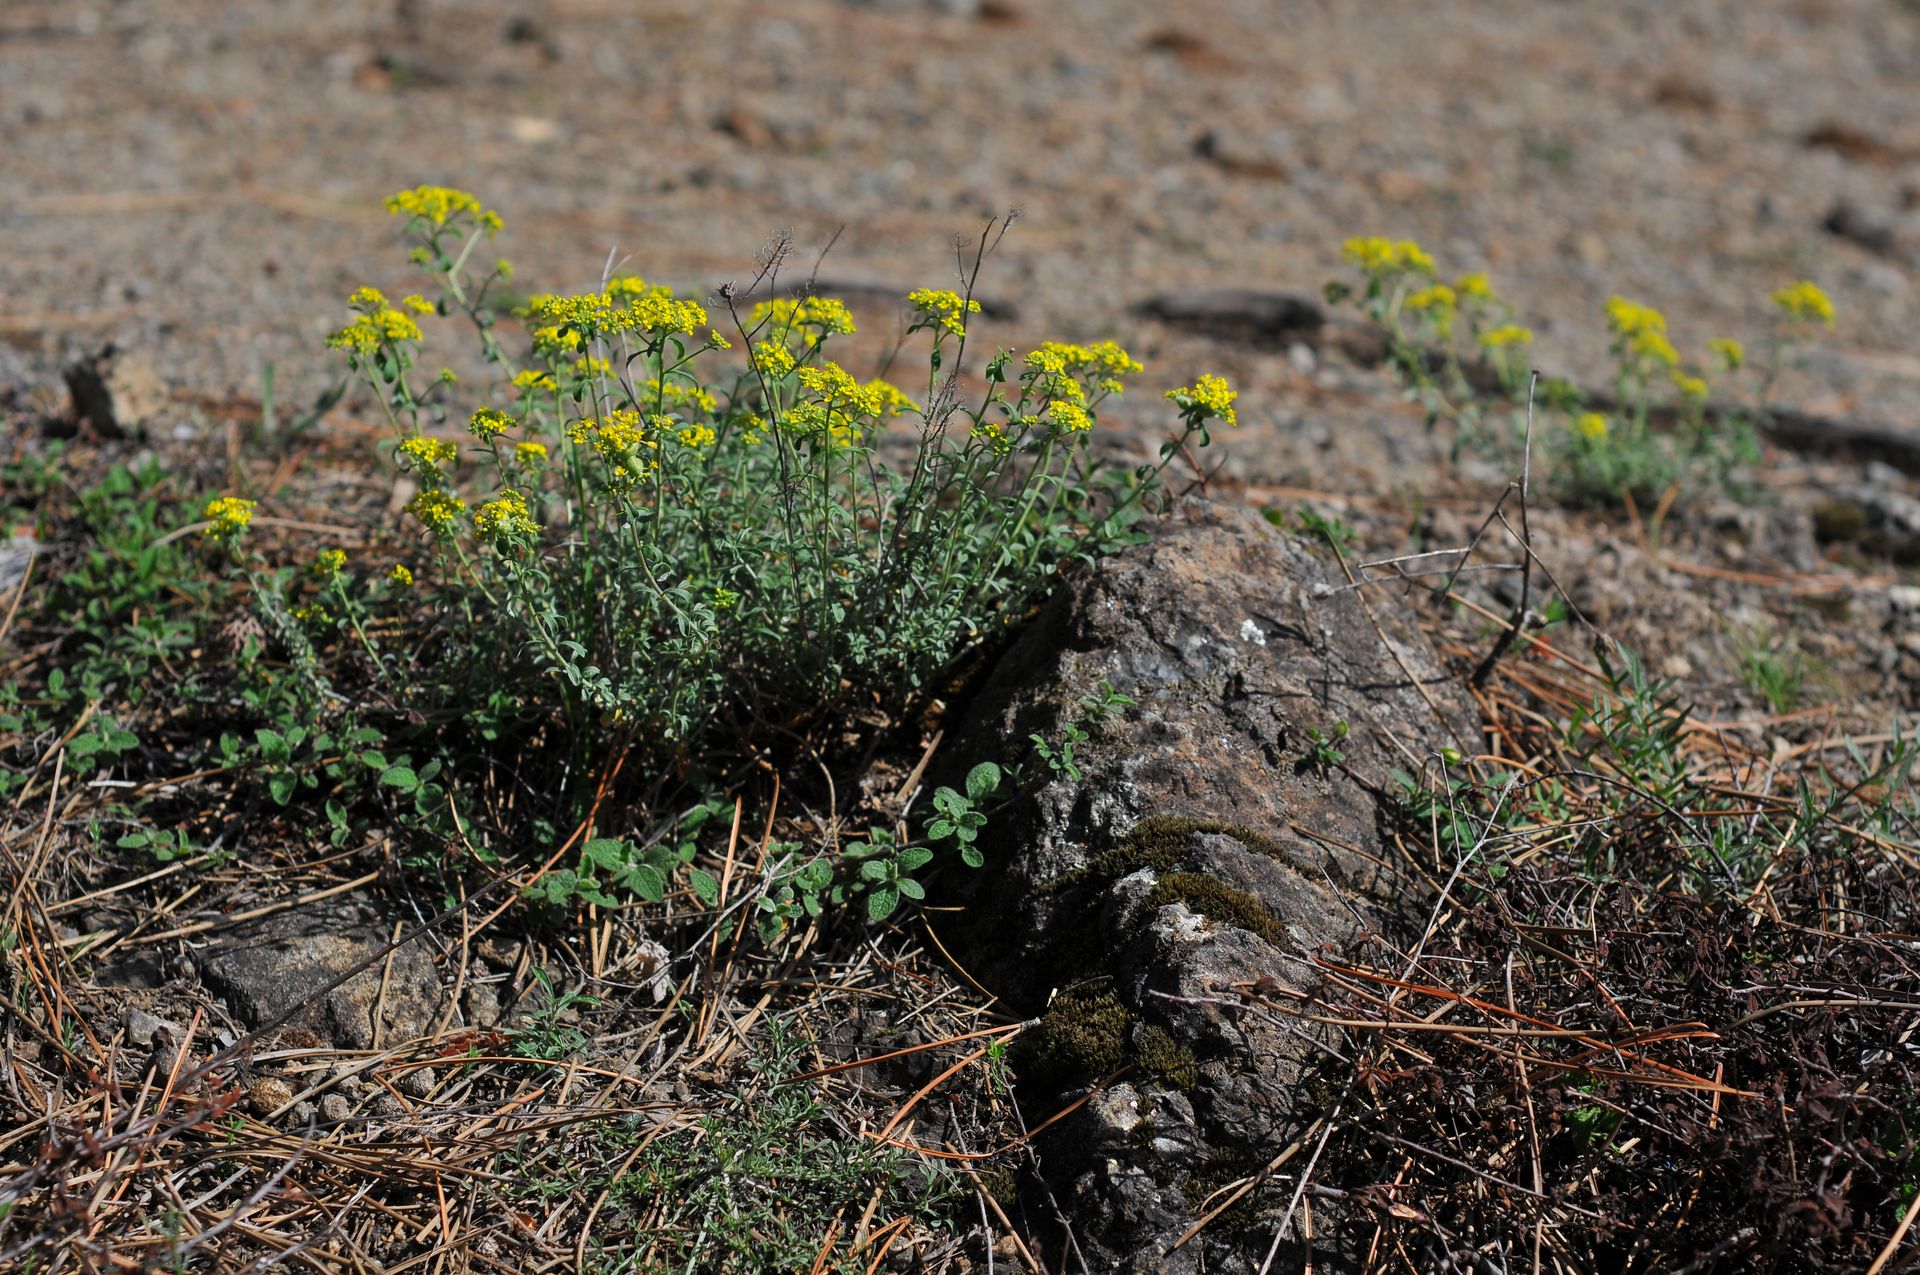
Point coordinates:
pixel 282 964
pixel 1199 854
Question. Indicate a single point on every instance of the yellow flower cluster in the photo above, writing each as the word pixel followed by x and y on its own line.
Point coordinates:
pixel 678 392
pixel 530 454
pixel 1690 386
pixel 1641 331
pixel 330 563
pixel 376 325
pixel 1061 368
pixel 1068 418
pixel 438 509
pixel 1378 256
pixel 1208 396
pixel 891 400
pixel 530 382
pixel 1507 334
pixel 1804 302
pixel 428 454
pixel 618 437
pixel 834 384
pixel 590 367
pixel 440 204
pixel 772 359
pixel 562 322
pixel 1592 426
pixel 507 516
pixel 1473 287
pixel 400 575
pixel 228 517
pixel 1730 353
pixel 1439 303
pixel 418 304
pixel 697 435
pixel 827 315
pixel 945 307
pixel 489 423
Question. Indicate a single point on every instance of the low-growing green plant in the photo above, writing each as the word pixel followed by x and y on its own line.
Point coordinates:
pixel 1462 357
pixel 1772 670
pixel 1323 750
pixel 1094 711
pixel 682 533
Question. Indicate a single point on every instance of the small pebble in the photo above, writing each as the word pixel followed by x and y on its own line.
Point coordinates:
pixel 417 1083
pixel 335 1109
pixel 267 1095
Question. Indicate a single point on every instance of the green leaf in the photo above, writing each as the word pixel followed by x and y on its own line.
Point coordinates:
pixel 881 903
pixel 917 857
pixel 281 787
pixel 646 881
pixel 910 888
pixel 982 780
pixel 273 745
pixel 940 829
pixel 401 777
pixel 705 885
pixel 971 856
pixel 607 853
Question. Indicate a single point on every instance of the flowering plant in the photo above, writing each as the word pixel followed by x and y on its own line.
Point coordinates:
pixel 686 523
pixel 1656 433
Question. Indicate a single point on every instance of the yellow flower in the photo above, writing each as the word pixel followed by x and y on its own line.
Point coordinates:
pixel 312 614
pixel 365 298
pixel 530 453
pixel 529 381
pixel 400 575
pixel 437 509
pixel 229 516
pixel 1437 296
pixel 772 359
pixel 1631 319
pixel 1505 335
pixel 828 314
pixel 996 435
pixel 1655 346
pixel 1693 387
pixel 507 516
pixel 1473 287
pixel 1729 352
pixel 1069 418
pixel 489 423
pixel 417 303
pixel 447 376
pixel 696 435
pixel 330 563
pixel 1804 302
pixel 440 204
pixel 428 454
pixel 891 398
pixel 724 599
pixel 1378 256
pixel 1210 396
pixel 946 308
pixel 589 367
pixel 717 342
pixel 503 268
pixel 369 331
pixel 1592 426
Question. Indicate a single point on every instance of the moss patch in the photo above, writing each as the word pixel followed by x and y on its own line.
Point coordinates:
pixel 1213 900
pixel 1082 1038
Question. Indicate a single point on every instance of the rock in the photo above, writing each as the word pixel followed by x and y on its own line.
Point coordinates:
pixel 1878 230
pixel 1231 151
pixel 142 1028
pixel 1199 854
pixel 116 390
pixel 1264 315
pixel 417 1083
pixel 335 1109
pixel 281 965
pixel 16 555
pixel 267 1095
